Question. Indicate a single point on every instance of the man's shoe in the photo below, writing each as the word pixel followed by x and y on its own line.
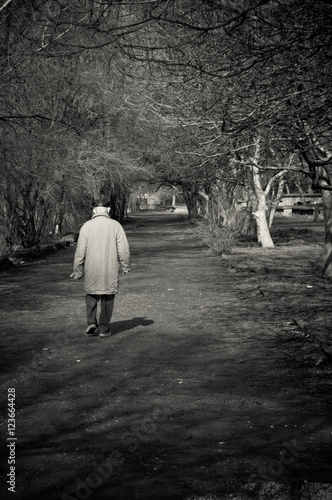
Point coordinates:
pixel 91 330
pixel 104 331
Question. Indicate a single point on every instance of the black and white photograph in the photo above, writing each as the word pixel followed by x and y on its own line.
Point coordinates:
pixel 166 249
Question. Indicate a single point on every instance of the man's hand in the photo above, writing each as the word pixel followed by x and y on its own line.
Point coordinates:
pixel 75 276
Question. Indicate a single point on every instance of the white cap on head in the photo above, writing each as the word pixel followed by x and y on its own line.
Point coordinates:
pixel 100 206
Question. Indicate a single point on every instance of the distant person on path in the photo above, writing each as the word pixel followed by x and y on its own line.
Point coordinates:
pixel 102 253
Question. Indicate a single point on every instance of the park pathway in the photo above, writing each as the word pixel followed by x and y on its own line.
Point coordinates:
pixel 204 388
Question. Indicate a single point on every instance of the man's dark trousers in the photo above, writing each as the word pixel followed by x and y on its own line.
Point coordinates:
pixel 106 309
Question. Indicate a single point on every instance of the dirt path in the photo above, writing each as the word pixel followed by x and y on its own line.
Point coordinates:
pixel 204 388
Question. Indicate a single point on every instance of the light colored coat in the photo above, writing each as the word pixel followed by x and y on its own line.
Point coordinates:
pixel 102 252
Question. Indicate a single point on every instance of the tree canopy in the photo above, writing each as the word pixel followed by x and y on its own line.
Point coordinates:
pixel 225 99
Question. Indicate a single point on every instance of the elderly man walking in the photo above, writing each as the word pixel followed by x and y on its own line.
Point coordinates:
pixel 102 253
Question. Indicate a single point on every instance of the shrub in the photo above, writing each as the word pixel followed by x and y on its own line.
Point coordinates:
pixel 220 238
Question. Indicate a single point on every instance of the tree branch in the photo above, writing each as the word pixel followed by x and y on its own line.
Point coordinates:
pixel 5 5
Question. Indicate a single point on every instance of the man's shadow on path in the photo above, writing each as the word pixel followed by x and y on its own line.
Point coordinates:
pixel 129 324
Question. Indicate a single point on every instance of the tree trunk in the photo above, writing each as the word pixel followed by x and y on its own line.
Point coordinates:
pixel 206 198
pixel 276 200
pixel 263 231
pixel 118 201
pixel 248 226
pixel 319 160
pixel 190 194
pixel 327 203
pixel 59 208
